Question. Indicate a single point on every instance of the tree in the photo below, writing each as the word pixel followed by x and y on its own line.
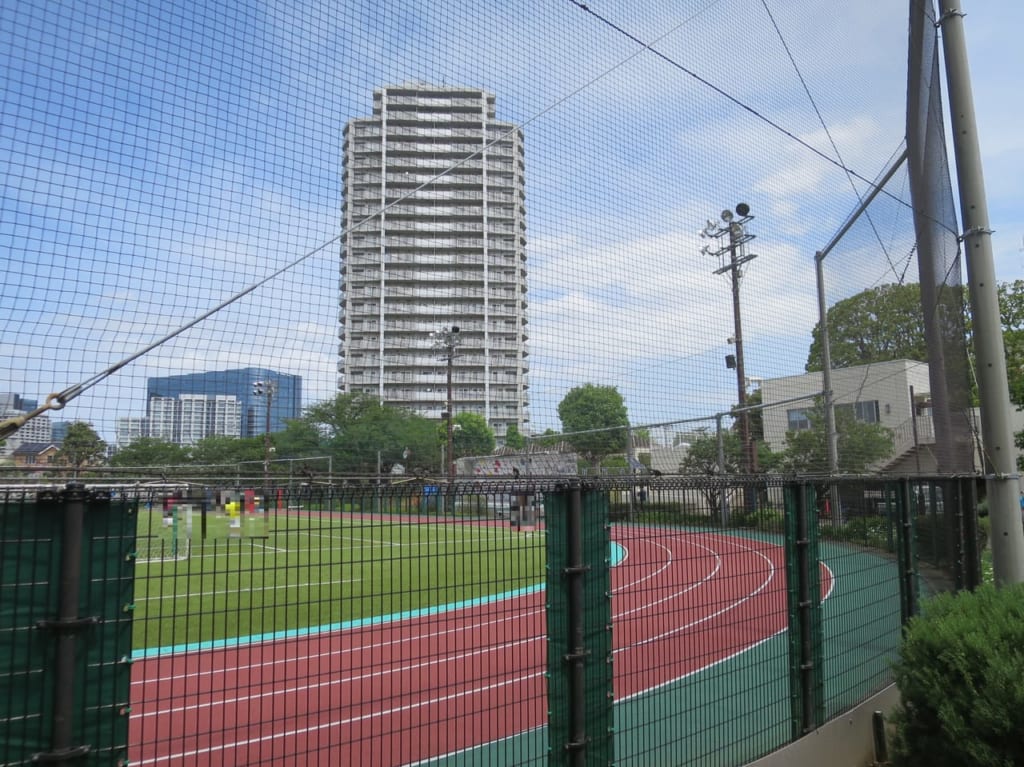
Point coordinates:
pixel 358 431
pixel 81 447
pixel 227 453
pixel 876 325
pixel 300 439
pixel 859 444
pixel 473 436
pixel 151 451
pixel 590 407
pixel 1011 314
pixel 549 438
pixel 513 438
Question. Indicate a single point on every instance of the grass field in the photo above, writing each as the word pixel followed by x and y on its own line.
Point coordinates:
pixel 295 572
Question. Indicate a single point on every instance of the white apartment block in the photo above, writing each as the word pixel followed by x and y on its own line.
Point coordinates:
pixel 128 429
pixel 188 418
pixel 36 429
pixel 225 415
pixel 448 250
pixel 162 418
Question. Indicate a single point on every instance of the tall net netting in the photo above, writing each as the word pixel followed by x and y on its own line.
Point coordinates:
pixel 333 187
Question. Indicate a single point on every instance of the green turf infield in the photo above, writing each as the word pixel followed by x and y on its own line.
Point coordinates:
pixel 296 573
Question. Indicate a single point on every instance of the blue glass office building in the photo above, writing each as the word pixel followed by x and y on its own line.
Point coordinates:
pixel 286 402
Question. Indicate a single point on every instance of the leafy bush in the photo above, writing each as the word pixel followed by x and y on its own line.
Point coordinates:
pixel 870 531
pixel 961 681
pixel 762 519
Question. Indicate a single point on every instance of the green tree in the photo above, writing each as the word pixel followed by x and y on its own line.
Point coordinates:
pixel 876 325
pixel 859 444
pixel 1011 314
pixel 81 447
pixel 151 451
pixel 357 430
pixel 300 439
pixel 590 407
pixel 513 438
pixel 229 454
pixel 471 435
pixel 549 438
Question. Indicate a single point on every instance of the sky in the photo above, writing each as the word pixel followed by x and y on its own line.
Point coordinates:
pixel 165 156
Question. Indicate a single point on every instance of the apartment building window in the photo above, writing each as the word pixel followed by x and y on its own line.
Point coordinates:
pixel 797 420
pixel 865 412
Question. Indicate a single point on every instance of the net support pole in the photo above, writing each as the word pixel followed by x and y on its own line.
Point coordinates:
pixel 997 434
pixel 66 628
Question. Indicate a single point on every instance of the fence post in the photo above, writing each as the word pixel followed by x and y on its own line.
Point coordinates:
pixel 906 551
pixel 66 627
pixel 803 596
pixel 961 503
pixel 579 628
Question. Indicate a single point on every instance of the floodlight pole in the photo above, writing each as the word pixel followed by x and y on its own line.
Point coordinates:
pixel 735 233
pixel 446 341
pixel 733 227
pixel 1007 535
pixel 266 389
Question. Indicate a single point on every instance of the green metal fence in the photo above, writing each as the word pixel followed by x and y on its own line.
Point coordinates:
pixel 547 622
pixel 66 577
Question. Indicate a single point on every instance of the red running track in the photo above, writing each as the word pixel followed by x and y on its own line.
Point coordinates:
pixel 400 692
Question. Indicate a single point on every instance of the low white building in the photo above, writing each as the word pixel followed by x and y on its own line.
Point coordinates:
pixel 895 394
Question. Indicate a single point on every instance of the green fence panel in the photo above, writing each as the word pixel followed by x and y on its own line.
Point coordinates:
pixel 65 682
pixel 803 601
pixel 579 628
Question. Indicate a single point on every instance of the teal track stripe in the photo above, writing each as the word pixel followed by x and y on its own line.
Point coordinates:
pixel 617 555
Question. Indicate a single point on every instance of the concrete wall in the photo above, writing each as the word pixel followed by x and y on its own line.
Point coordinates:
pixel 846 741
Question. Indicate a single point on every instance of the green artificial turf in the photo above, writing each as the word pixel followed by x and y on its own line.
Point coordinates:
pixel 295 573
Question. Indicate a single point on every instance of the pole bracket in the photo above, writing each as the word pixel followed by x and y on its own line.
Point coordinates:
pixel 63 755
pixel 943 18
pixel 68 625
pixel 974 230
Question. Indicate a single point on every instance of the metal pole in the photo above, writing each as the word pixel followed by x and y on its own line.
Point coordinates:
pixel 749 496
pixel 993 391
pixel 831 437
pixel 70 583
pixel 266 450
pixel 913 426
pixel 723 500
pixel 577 631
pixel 450 454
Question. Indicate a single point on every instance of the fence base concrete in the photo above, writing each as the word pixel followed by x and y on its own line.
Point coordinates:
pixel 845 741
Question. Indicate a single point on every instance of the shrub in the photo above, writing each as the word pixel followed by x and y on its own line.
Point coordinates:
pixel 761 519
pixel 961 681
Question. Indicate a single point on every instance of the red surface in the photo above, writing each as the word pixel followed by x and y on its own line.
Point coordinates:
pixel 400 692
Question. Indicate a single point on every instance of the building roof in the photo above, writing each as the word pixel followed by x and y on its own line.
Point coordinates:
pixel 34 448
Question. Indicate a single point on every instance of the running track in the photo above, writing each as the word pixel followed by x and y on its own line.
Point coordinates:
pixel 401 692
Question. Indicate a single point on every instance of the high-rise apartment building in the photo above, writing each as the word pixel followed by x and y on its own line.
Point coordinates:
pixel 434 224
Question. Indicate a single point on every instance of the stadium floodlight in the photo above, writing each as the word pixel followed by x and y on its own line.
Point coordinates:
pixel 727 215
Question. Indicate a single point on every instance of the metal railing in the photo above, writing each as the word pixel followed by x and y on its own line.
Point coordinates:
pixel 527 620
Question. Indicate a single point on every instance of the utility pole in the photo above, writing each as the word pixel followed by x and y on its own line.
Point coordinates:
pixel 446 341
pixel 733 227
pixel 266 389
pixel 993 391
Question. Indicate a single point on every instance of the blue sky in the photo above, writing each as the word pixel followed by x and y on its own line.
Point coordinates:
pixel 162 156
